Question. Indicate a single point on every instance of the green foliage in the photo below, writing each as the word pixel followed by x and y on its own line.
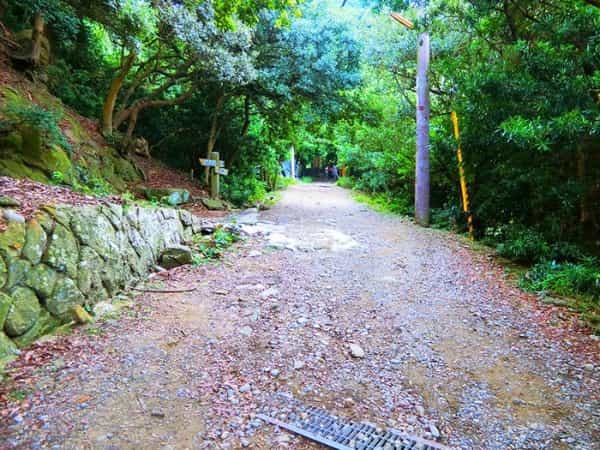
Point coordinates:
pixel 385 203
pixel 244 190
pixel 565 278
pixel 90 184
pixel 18 395
pixel 518 243
pixel 345 182
pixel 17 114
pixel 208 248
pixel 58 177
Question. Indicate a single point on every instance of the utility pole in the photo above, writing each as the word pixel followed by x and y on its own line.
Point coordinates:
pixel 293 162
pixel 422 155
pixel 422 191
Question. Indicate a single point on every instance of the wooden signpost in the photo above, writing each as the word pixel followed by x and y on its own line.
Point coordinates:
pixel 216 169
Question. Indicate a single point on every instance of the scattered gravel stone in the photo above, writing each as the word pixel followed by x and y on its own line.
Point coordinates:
pixel 12 216
pixel 356 351
pixel 246 331
pixel 157 413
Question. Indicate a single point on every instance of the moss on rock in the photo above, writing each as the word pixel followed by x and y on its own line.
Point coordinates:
pixel 23 312
pixel 5 302
pixel 12 240
pixel 95 230
pixel 35 241
pixel 65 296
pixel 90 268
pixel 8 349
pixel 44 325
pixel 51 160
pixel 41 279
pixel 17 271
pixel 63 251
pixel 3 272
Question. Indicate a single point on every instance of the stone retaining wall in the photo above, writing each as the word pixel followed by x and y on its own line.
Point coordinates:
pixel 70 256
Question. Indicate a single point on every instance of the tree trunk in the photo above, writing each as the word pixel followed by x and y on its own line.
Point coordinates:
pixel 37 35
pixel 111 98
pixel 212 138
pixel 130 128
pixel 422 156
pixel 246 124
pixel 584 213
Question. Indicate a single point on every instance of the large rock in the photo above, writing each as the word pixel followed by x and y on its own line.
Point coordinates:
pixel 8 202
pixel 17 271
pixel 141 247
pixel 3 272
pixel 63 251
pixel 61 215
pixel 176 255
pixel 129 255
pixel 51 161
pixel 5 302
pixel 43 325
pixel 95 230
pixel 186 217
pixel 23 312
pixel 12 239
pixel 65 296
pixel 150 227
pixel 213 204
pixel 7 347
pixel 114 213
pixel 41 279
pixel 89 277
pixel 45 220
pixel 35 241
pixel 171 196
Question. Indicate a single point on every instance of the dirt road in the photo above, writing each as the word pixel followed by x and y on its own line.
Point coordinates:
pixel 452 351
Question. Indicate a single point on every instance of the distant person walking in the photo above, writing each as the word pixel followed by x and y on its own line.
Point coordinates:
pixel 334 172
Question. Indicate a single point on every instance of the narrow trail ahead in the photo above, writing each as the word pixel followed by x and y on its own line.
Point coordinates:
pixel 451 350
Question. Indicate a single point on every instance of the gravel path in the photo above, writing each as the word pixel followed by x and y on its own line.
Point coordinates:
pixel 452 351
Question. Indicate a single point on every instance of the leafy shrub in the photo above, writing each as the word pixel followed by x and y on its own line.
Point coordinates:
pixel 450 217
pixel 385 202
pixel 58 177
pixel 284 182
pixel 518 243
pixel 345 182
pixel 241 190
pixel 90 184
pixel 31 115
pixel 212 247
pixel 565 278
pixel 525 245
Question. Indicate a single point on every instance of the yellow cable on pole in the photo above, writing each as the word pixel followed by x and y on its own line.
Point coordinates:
pixel 463 181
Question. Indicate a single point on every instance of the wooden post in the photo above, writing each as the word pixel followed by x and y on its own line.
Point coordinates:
pixel 214 176
pixel 422 155
pixel 463 181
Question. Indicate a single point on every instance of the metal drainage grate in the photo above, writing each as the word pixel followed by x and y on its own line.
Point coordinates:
pixel 318 425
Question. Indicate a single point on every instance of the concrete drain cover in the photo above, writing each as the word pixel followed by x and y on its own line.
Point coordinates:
pixel 318 425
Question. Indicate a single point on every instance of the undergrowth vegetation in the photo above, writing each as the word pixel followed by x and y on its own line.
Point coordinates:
pixel 211 247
